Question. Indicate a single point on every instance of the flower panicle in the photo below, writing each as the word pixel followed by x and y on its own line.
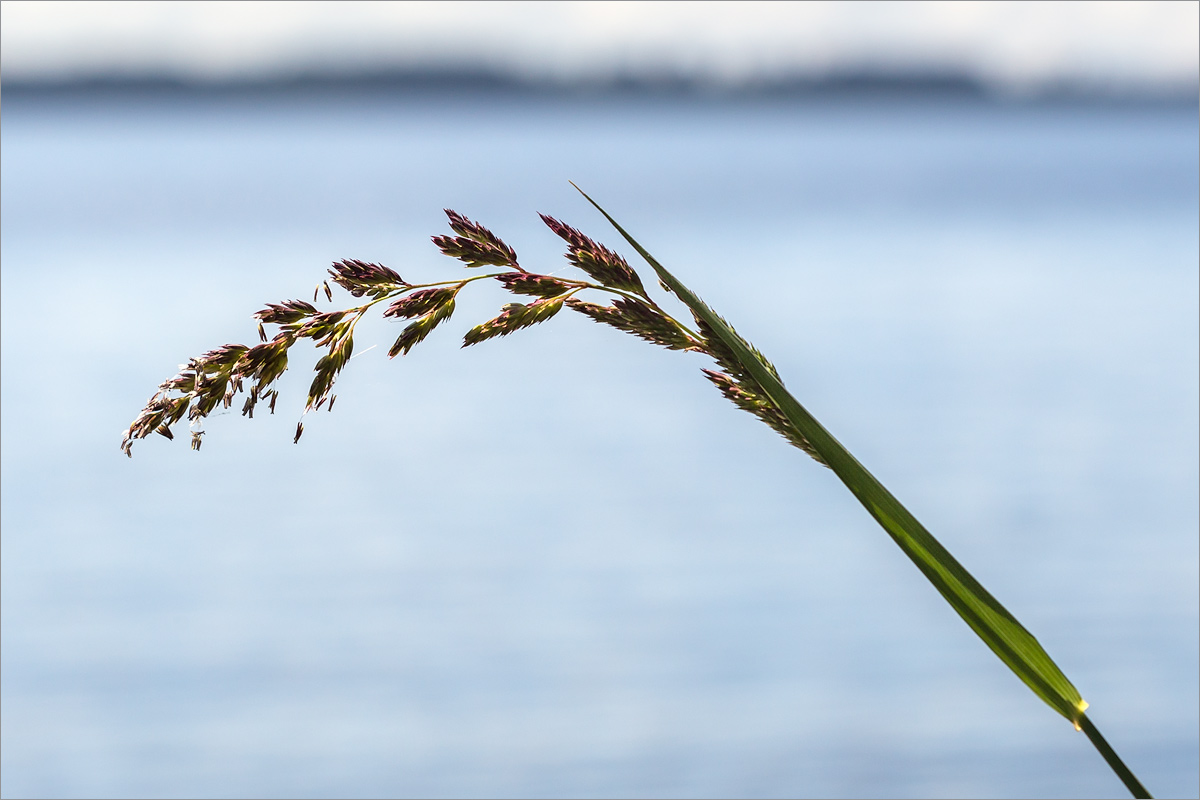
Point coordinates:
pixel 214 379
pixel 210 381
pixel 416 331
pixel 601 264
pixel 754 400
pixel 740 387
pixel 720 352
pixel 327 369
pixel 285 313
pixel 514 317
pixel 475 245
pixel 366 278
pixel 527 283
pixel 634 316
pixel 422 301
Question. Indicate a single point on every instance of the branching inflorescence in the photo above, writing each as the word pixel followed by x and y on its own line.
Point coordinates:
pixel 215 378
pixel 744 376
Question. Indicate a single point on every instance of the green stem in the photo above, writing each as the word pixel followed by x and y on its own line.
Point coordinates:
pixel 1118 766
pixel 990 620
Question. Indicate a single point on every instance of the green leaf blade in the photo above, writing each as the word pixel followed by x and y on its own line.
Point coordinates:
pixel 990 620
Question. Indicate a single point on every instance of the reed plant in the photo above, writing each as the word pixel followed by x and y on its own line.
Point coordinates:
pixel 742 374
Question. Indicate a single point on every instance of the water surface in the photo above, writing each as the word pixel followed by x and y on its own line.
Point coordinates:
pixel 560 564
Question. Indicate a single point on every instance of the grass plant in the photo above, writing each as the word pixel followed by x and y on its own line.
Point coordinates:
pixel 743 375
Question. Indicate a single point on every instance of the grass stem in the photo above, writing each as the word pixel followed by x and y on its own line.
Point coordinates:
pixel 1118 766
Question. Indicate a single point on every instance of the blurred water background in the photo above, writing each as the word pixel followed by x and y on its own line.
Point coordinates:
pixel 560 564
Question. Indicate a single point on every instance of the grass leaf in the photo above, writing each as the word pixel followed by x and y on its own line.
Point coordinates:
pixel 990 620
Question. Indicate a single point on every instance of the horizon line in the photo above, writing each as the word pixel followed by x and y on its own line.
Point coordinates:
pixel 475 79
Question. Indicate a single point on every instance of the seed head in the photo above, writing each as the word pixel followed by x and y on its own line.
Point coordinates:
pixel 634 316
pixel 475 245
pixel 715 347
pixel 536 285
pixel 751 398
pixel 364 277
pixel 601 264
pixel 421 302
pixel 417 331
pixel 514 317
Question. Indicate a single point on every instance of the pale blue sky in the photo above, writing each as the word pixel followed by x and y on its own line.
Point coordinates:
pixel 1016 45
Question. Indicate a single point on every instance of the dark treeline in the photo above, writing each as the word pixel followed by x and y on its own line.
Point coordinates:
pixel 474 80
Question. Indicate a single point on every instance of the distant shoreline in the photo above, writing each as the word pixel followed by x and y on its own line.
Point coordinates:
pixel 451 82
